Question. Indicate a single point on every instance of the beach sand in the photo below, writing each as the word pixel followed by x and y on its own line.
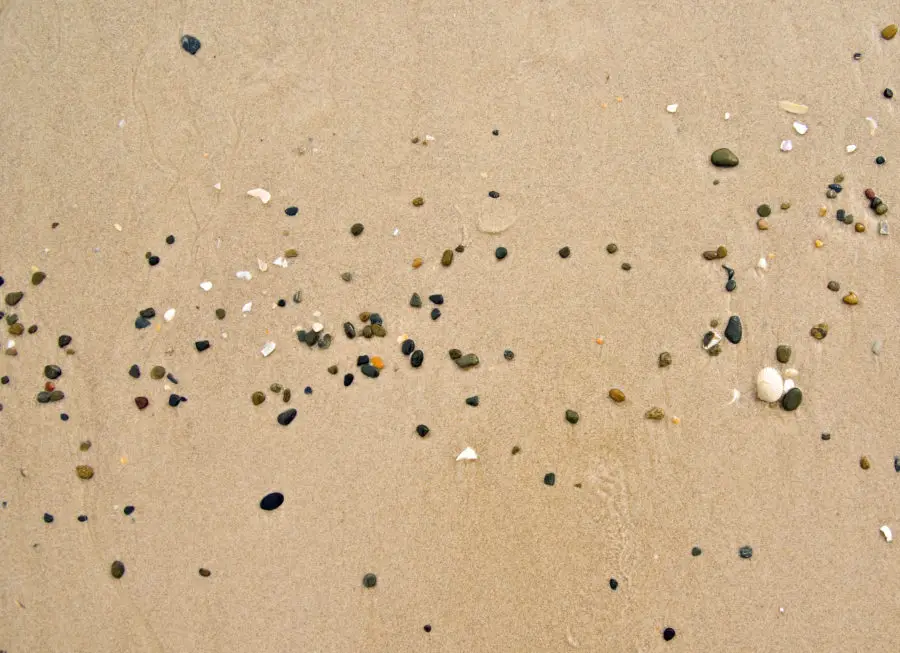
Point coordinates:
pixel 106 120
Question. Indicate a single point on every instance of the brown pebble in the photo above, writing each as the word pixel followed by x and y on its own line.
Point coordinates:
pixel 447 257
pixel 379 331
pixel 710 255
pixel 713 323
pixel 157 372
pixel 851 298
pixel 870 194
pixel 290 253
pixel 257 398
pixel 864 462
pixel 33 328
pixel 286 395
pixel 117 569
pixel 655 413
pixel 834 286
pixel 617 395
pixel 84 446
pixel 785 206
pixel 762 224
pixel 16 329
pixel 860 227
pixel 626 266
pixel 333 369
pixel 460 249
pixel 85 472
pixel 665 359
pixel 364 316
pixel 889 32
pixel 205 572
pixel 819 331
pixel 12 351
pixel 141 402
pixel 418 201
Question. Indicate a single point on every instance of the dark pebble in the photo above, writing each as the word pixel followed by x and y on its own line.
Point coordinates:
pixel 825 437
pixel 436 299
pixel 460 248
pixel 206 573
pixel 14 298
pixel 141 323
pixel 447 257
pixel 612 248
pixel 734 331
pixel 307 390
pixel 367 331
pixel 54 372
pixel 153 260
pixel 172 378
pixel 82 518
pixel 516 450
pixel 729 271
pixel 839 215
pixel 370 581
pixel 422 430
pixel 4 380
pixel 309 337
pixel 696 551
pixel 897 463
pixel 48 518
pixel 730 285
pixel 377 330
pixel 148 313
pixel 550 479
pixel 500 253
pixel 415 301
pixel 33 328
pixel 509 354
pixel 783 353
pixel 170 239
pixel 134 372
pixel 271 501
pixel 669 634
pixel 565 252
pixel 435 313
pixel 291 211
pixel 2 281
pixel 357 229
pixel 467 361
pixel 370 371
pixel 417 357
pixel 375 318
pixel 157 372
pixel 281 303
pixel 64 417
pixel 834 286
pixel 408 346
pixel 879 160
pixel 348 379
pixel 128 510
pixel 57 395
pixel 117 569
pixel 43 397
pixel 174 400
pixel 837 188
pixel 38 277
pixel 496 132
pixel 613 584
pixel 349 330
pixel 888 93
pixel 764 210
pixel 493 194
pixel 427 627
pixel 141 402
pixel 332 369
pixel 454 354
pixel 792 399
pixel 286 417
pixel 202 345
pixel 626 266
pixel 362 360
pixel 746 552
pixel 472 401
pixel 220 313
pixel 665 359
pixel 572 417
pixel 286 395
pixel 191 44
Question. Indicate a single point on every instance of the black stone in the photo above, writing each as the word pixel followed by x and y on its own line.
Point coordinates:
pixel 48 518
pixel 472 401
pixel 730 285
pixel 170 239
pixel 417 357
pixel 82 518
pixel 840 215
pixel 728 271
pixel 565 252
pixel 827 436
pixel 348 379
pixel 370 371
pixel 43 397
pixel 172 378
pixel 134 372
pixel 311 338
pixel 128 510
pixel 888 93
pixel 349 330
pixel 4 380
pixel 696 551
pixel 422 430
pixel 493 194
pixel 879 160
pixel 271 501
pixel 291 211
pixel 281 303
pixel 408 346
pixel 357 229
pixel 455 354
pixel 287 416
pixel 734 331
pixel 141 323
pixel 550 479
pixel 202 345
pixel 613 584
pixel 54 371
pixel 362 360
pixel 117 569
pixel 509 354
pixel 496 132
pixel 435 313
pixel 746 552
pixel 191 44
pixel 500 253
pixel 669 634
pixel 153 260
pixel 174 400
pixel 897 463
pixel 792 399
pixel 370 581
pixel 148 313
pixel 436 299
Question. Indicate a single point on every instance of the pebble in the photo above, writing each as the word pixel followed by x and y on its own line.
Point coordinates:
pixel 436 299
pixel 762 224
pixel 220 313
pixel 38 277
pixel 665 359
pixel 157 372
pixel 730 285
pixel 792 399
pixel 869 193
pixel 819 331
pixel 370 581
pixel 565 252
pixel 370 371
pixel 16 329
pixel 493 194
pixel 191 44
pixel 783 353
pixel 48 518
pixel 417 263
pixel 117 568
pixel 785 206
pixel 447 257
pixel 202 345
pixel 380 332
pixel 454 354
pixel 764 210
pixel 206 573
pixel 669 634
pixel 617 395
pixel 435 313
pixel 375 318
pixel 626 266
pixel 834 286
pixel 367 331
pixel 57 395
pixel 831 193
pixel 472 401
pixel 170 239
pixel 134 372
pixel 422 430
pixel 14 298
pixel 271 501
pixel 82 518
pixel 888 93
pixel 257 398
pixel 572 417
pixel 347 276
pixel 415 301
pixel 348 379
pixel 332 369
pixel 141 323
pixel 408 346
pixel 33 329
pixel 4 380
pixel 851 298
pixel 550 479
pixel 769 385
pixel 509 354
pixel 864 462
pixel 860 227
pixel 467 361
pixel 500 253
pixel 286 417
pixel 897 463
pixel 460 248
pixel 153 260
pixel 655 413
pixel 357 229
pixel 349 330
pixel 696 551
pixel 879 160
pixel 174 400
pixel 881 209
pixel 613 584
pixel 276 388
pixel 724 158
pixel 734 331
pixel 889 32
pixel 141 402
pixel 362 360
pixel 746 552
pixel 54 371
pixel 612 248
pixel 825 437
pixel 297 297
pixel 418 201
pixel 85 472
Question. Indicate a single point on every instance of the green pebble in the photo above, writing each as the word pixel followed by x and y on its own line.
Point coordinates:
pixel 612 248
pixel 117 569
pixel 418 201
pixel 333 369
pixel 792 399
pixel 783 353
pixel 550 479
pixel 297 297
pixel 472 401
pixel 367 331
pixel 16 329
pixel 696 551
pixel 370 580
pixel 379 331
pixel 831 193
pixel 38 277
pixel 415 301
pixel 764 210
pixel 12 318
pixel 347 276
pixel 14 298
pixel 571 417
pixel 724 158
pixel 746 552
pixel 157 372
pixel 467 361
pixel 881 209
pixel 455 354
pixel 447 258
pixel 276 388
pixel 785 206
pixel 500 253
pixel 286 395
pixel 357 229
pixel 258 397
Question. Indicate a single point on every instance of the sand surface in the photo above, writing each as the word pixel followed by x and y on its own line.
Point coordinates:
pixel 105 120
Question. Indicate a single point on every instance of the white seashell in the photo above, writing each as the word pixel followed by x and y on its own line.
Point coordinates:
pixel 246 308
pixel 886 531
pixel 793 107
pixel 727 116
pixel 762 264
pixel 261 193
pixel 280 262
pixel 672 108
pixel 851 149
pixel 244 275
pixel 206 285
pixel 786 146
pixel 800 128
pixel 735 395
pixel 769 384
pixel 118 227
pixel 267 349
pixel 716 339
pixel 218 185
pixel 788 384
pixel 317 327
pixel 169 314
pixel 872 125
pixel 467 454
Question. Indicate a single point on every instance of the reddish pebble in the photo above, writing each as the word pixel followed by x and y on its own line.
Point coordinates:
pixel 141 402
pixel 870 194
pixel 49 387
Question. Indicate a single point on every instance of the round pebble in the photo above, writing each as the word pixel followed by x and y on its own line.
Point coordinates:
pixel 370 581
pixel 819 331
pixel 500 253
pixel 38 277
pixel 612 248
pixel 117 569
pixel 422 430
pixel 141 402
pixel 864 462
pixel 724 158
pixel 834 286
pixel 447 257
pixel 427 627
pixel 889 32
pixel 82 518
pixel 508 354
pixel 206 573
pixel 220 313
pixel 271 501
pixel 153 260
pixel 286 417
pixel 792 399
pixel 565 252
pixel 888 93
pixel 572 417
pixel 417 357
pixel 764 210
pixel 257 398
pixel 762 224
pixel 454 354
pixel 730 285
pixel 746 552
pixel 879 160
pixel 48 518
pixel 783 353
pixel 157 372
pixel 190 44
pixel 53 371
pixel 291 211
pixel 357 229
pixel 626 266
pixel 613 584
pixel 617 395
pixel 85 472
pixel 408 346
pixel 669 634
pixel 696 551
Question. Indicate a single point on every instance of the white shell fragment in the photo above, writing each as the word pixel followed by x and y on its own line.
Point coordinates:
pixel 280 262
pixel 769 385
pixel 800 128
pixel 244 275
pixel 883 227
pixel 261 193
pixel 118 227
pixel 851 149
pixel 788 384
pixel 467 454
pixel 317 327
pixel 246 308
pixel 886 531
pixel 218 185
pixel 872 125
pixel 169 314
pixel 672 108
pixel 715 340
pixel 262 265
pixel 791 373
pixel 206 285
pixel 762 264
pixel 792 107
pixel 267 349
pixel 787 146
pixel 735 396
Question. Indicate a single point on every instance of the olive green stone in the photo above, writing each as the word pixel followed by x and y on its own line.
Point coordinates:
pixel 791 399
pixel 864 462
pixel 571 417
pixel 783 353
pixel 764 210
pixel 258 397
pixel 819 331
pixel 57 395
pixel 785 206
pixel 297 297
pixel 364 316
pixel 834 286
pixel 38 277
pixel 332 369
pixel 721 252
pixel 357 229
pixel 848 218
pixel 665 359
pixel 612 248
pixel 415 301
pixel 418 201
pixel 16 329
pixel 655 413
pixel 85 472
pixel 367 331
pixel 617 395
pixel 446 259
pixel 290 253
pixel 710 255
pixel 370 580
pixel 12 318
pixel 14 298
pixel 286 395
pixel 220 313
pixel 157 372
pixel 455 354
pixel 831 193
pixel 467 361
pixel 379 330
pixel 84 446
pixel 881 209
pixel 117 569
pixel 724 158
pixel 839 178
pixel 347 276
pixel 276 388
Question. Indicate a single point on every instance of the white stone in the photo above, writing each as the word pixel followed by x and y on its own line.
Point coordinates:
pixel 727 116
pixel 800 128
pixel 883 227
pixel 762 264
pixel 786 146
pixel 280 262
pixel 851 149
pixel 218 185
pixel 317 327
pixel 886 531
pixel 261 193
pixel 769 385
pixel 206 285
pixel 467 454
pixel 268 348
pixel 672 108
pixel 169 314
pixel 246 308
pixel 244 275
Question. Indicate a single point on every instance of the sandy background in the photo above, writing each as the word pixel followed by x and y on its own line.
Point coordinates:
pixel 318 104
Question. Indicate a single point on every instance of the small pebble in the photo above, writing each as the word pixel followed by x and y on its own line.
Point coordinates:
pixel 347 276
pixel 436 299
pixel 869 193
pixel 82 518
pixel 422 430
pixel 508 354
pixel 655 413
pixel 427 627
pixel 85 472
pixel 153 260
pixel 834 286
pixel 665 359
pixel 550 479
pixel 205 572
pixel 785 206
pixel 730 285
pixel 370 371
pixel 878 159
pixel 897 463
pixel 515 450
pixel 17 329
pixel 141 402
pixel 286 395
pixel 859 227
pixel 367 331
pixel 38 277
pixel 851 299
pixel 48 518
pixel 64 341
pixel 724 158
pixel 54 371
pixel 617 395
pixel 332 369
pixel 141 323
pixel 467 361
pixel 493 194
pixel 626 266
pixel 572 417
pixel 4 380
pixel 825 437
pixel 357 229
pixel 881 209
pixel 734 330
pixel 348 379
pixel 170 239
pixel 565 252
pixel 202 345
pixel 307 390
pixel 408 346
pixel 864 462
pixel 271 501
pixel 435 313
pixel 888 93
pixel 220 313
pixel 418 201
pixel 14 298
pixel 190 44
pixel 819 331
pixel 281 303
pixel 764 210
pixel 291 211
pixel 762 224
pixel 792 399
pixel 286 417
pixel 612 248
pixel 349 330
pixel 370 581
pixel 117 569
pixel 380 332
pixel 500 253
pixel 460 248
pixel 613 584
pixel 889 32
pixel 134 372
pixel 746 552
pixel 276 388
pixel 669 634
pixel 472 401
pixel 415 301
pixel 157 372
pixel 696 551
pixel 174 400
pixel 297 297
pixel 128 510
pixel 783 353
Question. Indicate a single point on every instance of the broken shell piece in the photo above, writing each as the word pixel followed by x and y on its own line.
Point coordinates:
pixel 762 264
pixel 851 149
pixel 793 107
pixel 317 327
pixel 672 108
pixel 118 227
pixel 727 116
pixel 800 128
pixel 262 265
pixel 886 531
pixel 769 385
pixel 883 227
pixel 788 385
pixel 218 185
pixel 735 396
pixel 246 308
pixel 169 314
pixel 786 146
pixel 467 454
pixel 872 125
pixel 244 275
pixel 711 339
pixel 280 262
pixel 791 373
pixel 206 285
pixel 267 349
pixel 261 193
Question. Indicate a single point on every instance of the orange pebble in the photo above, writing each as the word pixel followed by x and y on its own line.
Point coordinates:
pixel 600 341
pixel 417 263
pixel 49 387
pixel 676 420
pixel 822 211
pixel 377 362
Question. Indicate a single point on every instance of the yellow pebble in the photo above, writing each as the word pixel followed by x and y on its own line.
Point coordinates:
pixel 600 340
pixel 603 105
pixel 819 243
pixel 676 420
pixel 822 211
pixel 417 263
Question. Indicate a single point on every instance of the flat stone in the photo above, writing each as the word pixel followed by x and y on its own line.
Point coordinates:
pixel 271 501
pixel 52 371
pixel 783 353
pixel 417 357
pixel 38 277
pixel 467 361
pixel 370 371
pixel 746 552
pixel 447 257
pixel 14 298
pixel 792 399
pixel 819 331
pixel 734 331
pixel 190 44
pixel 134 372
pixel 724 158
pixel 157 372
pixel 286 417
pixel 85 472
pixel 769 385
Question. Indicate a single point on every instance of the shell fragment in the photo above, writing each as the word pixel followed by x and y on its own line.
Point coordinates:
pixel 787 146
pixel 672 108
pixel 244 275
pixel 169 314
pixel 467 454
pixel 267 349
pixel 886 531
pixel 246 308
pixel 800 128
pixel 261 193
pixel 851 149
pixel 793 107
pixel 206 285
